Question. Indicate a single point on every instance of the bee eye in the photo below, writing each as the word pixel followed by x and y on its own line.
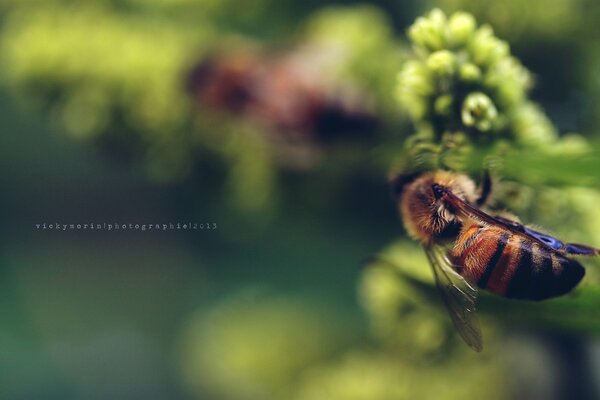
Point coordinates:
pixel 438 191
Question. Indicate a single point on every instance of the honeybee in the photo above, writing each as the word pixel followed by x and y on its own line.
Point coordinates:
pixel 287 93
pixel 488 252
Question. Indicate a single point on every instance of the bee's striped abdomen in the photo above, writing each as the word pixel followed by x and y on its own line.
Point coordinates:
pixel 500 270
pixel 513 265
pixel 543 274
pixel 477 251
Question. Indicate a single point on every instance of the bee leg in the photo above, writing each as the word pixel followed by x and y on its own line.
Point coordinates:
pixel 486 187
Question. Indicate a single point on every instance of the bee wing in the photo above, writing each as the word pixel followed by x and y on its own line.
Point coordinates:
pixel 458 295
pixel 549 241
pixel 552 243
pixel 555 243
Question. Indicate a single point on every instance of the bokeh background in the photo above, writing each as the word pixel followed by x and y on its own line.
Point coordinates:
pixel 276 120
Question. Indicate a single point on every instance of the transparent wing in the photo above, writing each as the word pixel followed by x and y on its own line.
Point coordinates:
pixel 458 295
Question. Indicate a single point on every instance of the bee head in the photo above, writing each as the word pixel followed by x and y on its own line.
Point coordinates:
pixel 426 214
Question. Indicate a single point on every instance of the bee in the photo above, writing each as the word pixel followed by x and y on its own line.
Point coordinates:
pixel 288 93
pixel 487 252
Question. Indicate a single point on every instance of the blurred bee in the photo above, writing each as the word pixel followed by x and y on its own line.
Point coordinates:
pixel 288 93
pixel 487 252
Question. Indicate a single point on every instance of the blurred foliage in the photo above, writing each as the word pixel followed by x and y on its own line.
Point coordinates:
pixel 373 55
pixel 363 375
pixel 254 346
pixel 97 70
pixel 115 73
pixel 257 346
pixel 119 74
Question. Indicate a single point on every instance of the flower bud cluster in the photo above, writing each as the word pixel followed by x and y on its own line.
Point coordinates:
pixel 462 78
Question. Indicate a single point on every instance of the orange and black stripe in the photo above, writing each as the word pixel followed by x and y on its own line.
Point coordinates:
pixel 513 265
pixel 534 274
pixel 494 261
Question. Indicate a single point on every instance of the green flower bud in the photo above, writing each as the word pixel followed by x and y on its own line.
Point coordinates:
pixel 509 80
pixel 441 63
pixel 460 28
pixel 532 126
pixel 443 105
pixel 416 77
pixel 414 87
pixel 479 111
pixel 469 73
pixel 485 48
pixel 428 33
